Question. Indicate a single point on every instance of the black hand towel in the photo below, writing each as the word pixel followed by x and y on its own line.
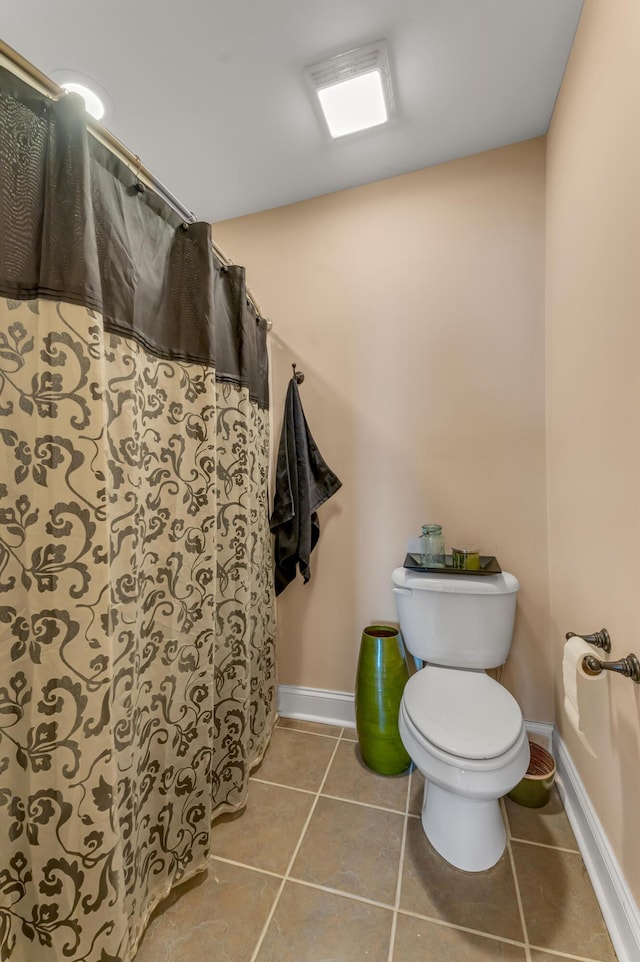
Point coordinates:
pixel 304 481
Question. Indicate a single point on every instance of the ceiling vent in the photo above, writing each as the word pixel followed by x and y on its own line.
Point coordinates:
pixel 354 89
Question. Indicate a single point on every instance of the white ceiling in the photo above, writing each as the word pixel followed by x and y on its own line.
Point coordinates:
pixel 211 94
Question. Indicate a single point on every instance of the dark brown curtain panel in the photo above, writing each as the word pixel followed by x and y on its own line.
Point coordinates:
pixel 137 678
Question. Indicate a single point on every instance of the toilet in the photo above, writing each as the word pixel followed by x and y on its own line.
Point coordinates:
pixel 461 728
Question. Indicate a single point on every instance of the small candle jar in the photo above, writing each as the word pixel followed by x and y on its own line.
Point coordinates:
pixel 466 557
pixel 432 546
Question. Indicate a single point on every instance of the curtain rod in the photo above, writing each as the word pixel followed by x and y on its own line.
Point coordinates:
pixel 27 71
pixel 54 91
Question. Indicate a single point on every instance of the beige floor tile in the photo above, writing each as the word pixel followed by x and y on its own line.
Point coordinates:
pixel 418 941
pixel 548 825
pixel 225 909
pixel 485 901
pixel 350 734
pixel 313 727
pixel 349 777
pixel 314 926
pixel 416 793
pixel 351 848
pixel 559 905
pixel 266 833
pixel 296 759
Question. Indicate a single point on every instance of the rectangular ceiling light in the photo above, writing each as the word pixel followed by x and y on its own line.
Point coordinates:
pixel 354 89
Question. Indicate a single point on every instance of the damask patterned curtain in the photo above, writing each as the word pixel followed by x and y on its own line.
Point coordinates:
pixel 136 607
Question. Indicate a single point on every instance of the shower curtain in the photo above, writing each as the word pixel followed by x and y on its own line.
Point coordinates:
pixel 136 607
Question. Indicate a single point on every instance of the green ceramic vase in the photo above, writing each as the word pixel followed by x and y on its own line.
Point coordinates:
pixel 382 675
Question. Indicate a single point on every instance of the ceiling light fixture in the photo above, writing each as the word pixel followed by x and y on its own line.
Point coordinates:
pixel 96 99
pixel 92 102
pixel 354 89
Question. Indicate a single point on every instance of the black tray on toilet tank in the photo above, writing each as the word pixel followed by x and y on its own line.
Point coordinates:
pixel 488 566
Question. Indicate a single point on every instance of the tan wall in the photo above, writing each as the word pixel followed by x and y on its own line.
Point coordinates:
pixel 593 372
pixel 415 308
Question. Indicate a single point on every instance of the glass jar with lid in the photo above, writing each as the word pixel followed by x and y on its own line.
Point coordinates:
pixel 466 557
pixel 432 546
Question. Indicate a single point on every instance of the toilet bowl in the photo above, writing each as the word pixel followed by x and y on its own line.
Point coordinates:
pixel 466 735
pixel 461 728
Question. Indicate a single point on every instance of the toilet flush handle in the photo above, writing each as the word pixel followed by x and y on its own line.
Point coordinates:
pixel 401 591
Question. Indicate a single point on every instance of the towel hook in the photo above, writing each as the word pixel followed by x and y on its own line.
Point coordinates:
pixel 298 375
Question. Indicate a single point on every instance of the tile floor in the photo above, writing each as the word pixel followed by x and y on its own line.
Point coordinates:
pixel 328 863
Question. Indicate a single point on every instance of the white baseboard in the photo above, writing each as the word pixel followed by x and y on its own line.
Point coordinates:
pixel 337 708
pixel 317 705
pixel 620 912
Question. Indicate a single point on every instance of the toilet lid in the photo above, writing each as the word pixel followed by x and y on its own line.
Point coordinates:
pixel 465 713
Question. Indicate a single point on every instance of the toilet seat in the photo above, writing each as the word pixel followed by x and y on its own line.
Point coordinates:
pixel 463 713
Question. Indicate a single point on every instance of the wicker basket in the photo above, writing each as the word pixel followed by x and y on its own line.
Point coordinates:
pixel 534 790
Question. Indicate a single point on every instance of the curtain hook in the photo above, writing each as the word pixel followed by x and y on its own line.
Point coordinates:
pixel 138 186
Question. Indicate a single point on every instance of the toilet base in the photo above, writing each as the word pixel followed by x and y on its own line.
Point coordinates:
pixel 468 832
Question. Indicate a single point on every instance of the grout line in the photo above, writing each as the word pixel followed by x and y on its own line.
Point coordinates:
pixel 337 798
pixel 303 791
pixel 267 923
pixel 555 848
pixel 564 955
pixel 354 801
pixel 302 731
pixel 253 868
pixel 313 808
pixel 464 928
pixel 527 950
pixel 293 857
pixel 396 904
pixel 347 895
pixel 348 741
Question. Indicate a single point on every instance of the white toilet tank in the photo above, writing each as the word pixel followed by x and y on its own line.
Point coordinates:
pixel 462 621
